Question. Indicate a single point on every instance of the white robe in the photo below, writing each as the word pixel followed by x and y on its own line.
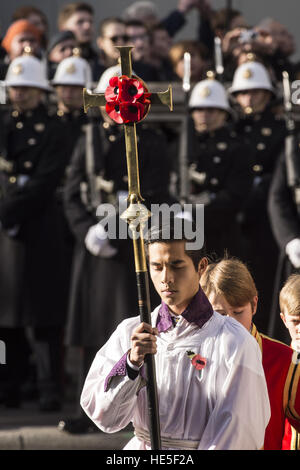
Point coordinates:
pixel 223 406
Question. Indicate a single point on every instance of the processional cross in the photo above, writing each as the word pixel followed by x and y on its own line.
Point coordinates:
pixel 127 101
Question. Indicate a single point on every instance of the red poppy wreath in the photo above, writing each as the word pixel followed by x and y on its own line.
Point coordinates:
pixel 127 100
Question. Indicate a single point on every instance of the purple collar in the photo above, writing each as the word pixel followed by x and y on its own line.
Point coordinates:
pixel 198 311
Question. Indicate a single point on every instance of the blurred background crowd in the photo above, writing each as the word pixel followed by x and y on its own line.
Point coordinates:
pixel 63 283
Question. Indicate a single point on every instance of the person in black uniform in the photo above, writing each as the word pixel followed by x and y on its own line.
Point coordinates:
pixel 219 177
pixel 263 131
pixel 103 288
pixel 32 289
pixel 285 222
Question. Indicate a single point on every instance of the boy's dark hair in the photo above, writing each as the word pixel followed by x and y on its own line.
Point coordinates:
pixel 107 21
pixel 68 10
pixel 175 231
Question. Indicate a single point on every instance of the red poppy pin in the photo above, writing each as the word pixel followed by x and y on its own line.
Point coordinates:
pixel 127 99
pixel 198 361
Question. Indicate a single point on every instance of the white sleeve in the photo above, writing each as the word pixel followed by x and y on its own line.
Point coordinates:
pixel 242 409
pixel 109 395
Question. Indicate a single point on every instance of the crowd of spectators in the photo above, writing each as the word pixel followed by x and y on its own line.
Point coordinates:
pixel 157 53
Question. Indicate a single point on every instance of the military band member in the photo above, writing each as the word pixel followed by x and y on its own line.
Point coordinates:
pixel 103 287
pixel 32 267
pixel 231 290
pixel 72 75
pixel 264 132
pixel 219 167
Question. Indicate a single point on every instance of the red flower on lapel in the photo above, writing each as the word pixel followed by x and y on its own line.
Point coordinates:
pixel 198 361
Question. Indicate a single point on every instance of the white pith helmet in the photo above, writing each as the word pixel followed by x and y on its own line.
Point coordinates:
pixel 209 94
pixel 251 76
pixel 73 71
pixel 113 71
pixel 27 71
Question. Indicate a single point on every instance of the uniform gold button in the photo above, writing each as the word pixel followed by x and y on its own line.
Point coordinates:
pixel 266 131
pixel 112 138
pixel 261 146
pixel 28 164
pixel 105 125
pixel 222 145
pixel 12 179
pixel 257 168
pixel 19 125
pixel 39 126
pixel 60 113
pixel 31 141
pixel 15 113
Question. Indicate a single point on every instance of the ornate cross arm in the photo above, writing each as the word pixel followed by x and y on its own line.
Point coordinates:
pixel 127 101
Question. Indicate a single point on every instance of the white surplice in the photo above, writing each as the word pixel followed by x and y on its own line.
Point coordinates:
pixel 223 406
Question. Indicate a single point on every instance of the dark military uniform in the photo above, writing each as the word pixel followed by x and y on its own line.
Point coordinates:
pixel 32 270
pixel 264 134
pixel 103 291
pixel 222 181
pixel 285 223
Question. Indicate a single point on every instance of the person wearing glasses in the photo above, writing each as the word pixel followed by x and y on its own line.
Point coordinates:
pixel 138 36
pixel 112 33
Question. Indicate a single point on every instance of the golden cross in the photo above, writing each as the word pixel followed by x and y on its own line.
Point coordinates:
pixel 137 212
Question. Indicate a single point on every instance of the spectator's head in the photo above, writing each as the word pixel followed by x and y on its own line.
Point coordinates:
pixel 61 46
pixel 36 17
pixel 138 36
pixel 112 33
pixel 289 301
pixel 161 42
pixel 231 290
pixel 251 87
pixel 72 74
pixel 26 82
pixel 79 18
pixel 143 11
pixel 19 35
pixel 282 37
pixel 198 59
pixel 209 105
pixel 226 20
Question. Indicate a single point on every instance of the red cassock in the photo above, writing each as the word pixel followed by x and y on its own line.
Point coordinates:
pixel 282 371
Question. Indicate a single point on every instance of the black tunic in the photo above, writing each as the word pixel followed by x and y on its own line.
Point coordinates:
pixel 265 134
pixel 103 291
pixel 32 281
pixel 222 162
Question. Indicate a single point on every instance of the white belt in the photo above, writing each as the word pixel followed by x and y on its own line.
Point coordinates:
pixel 168 442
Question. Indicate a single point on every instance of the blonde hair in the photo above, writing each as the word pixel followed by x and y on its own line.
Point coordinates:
pixel 232 279
pixel 289 297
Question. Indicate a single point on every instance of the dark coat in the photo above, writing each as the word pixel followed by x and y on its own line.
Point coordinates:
pixel 265 134
pixel 222 160
pixel 32 288
pixel 103 291
pixel 285 220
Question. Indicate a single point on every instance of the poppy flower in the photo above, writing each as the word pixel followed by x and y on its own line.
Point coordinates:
pixel 132 112
pixel 113 110
pixel 131 89
pixel 127 99
pixel 198 362
pixel 112 91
